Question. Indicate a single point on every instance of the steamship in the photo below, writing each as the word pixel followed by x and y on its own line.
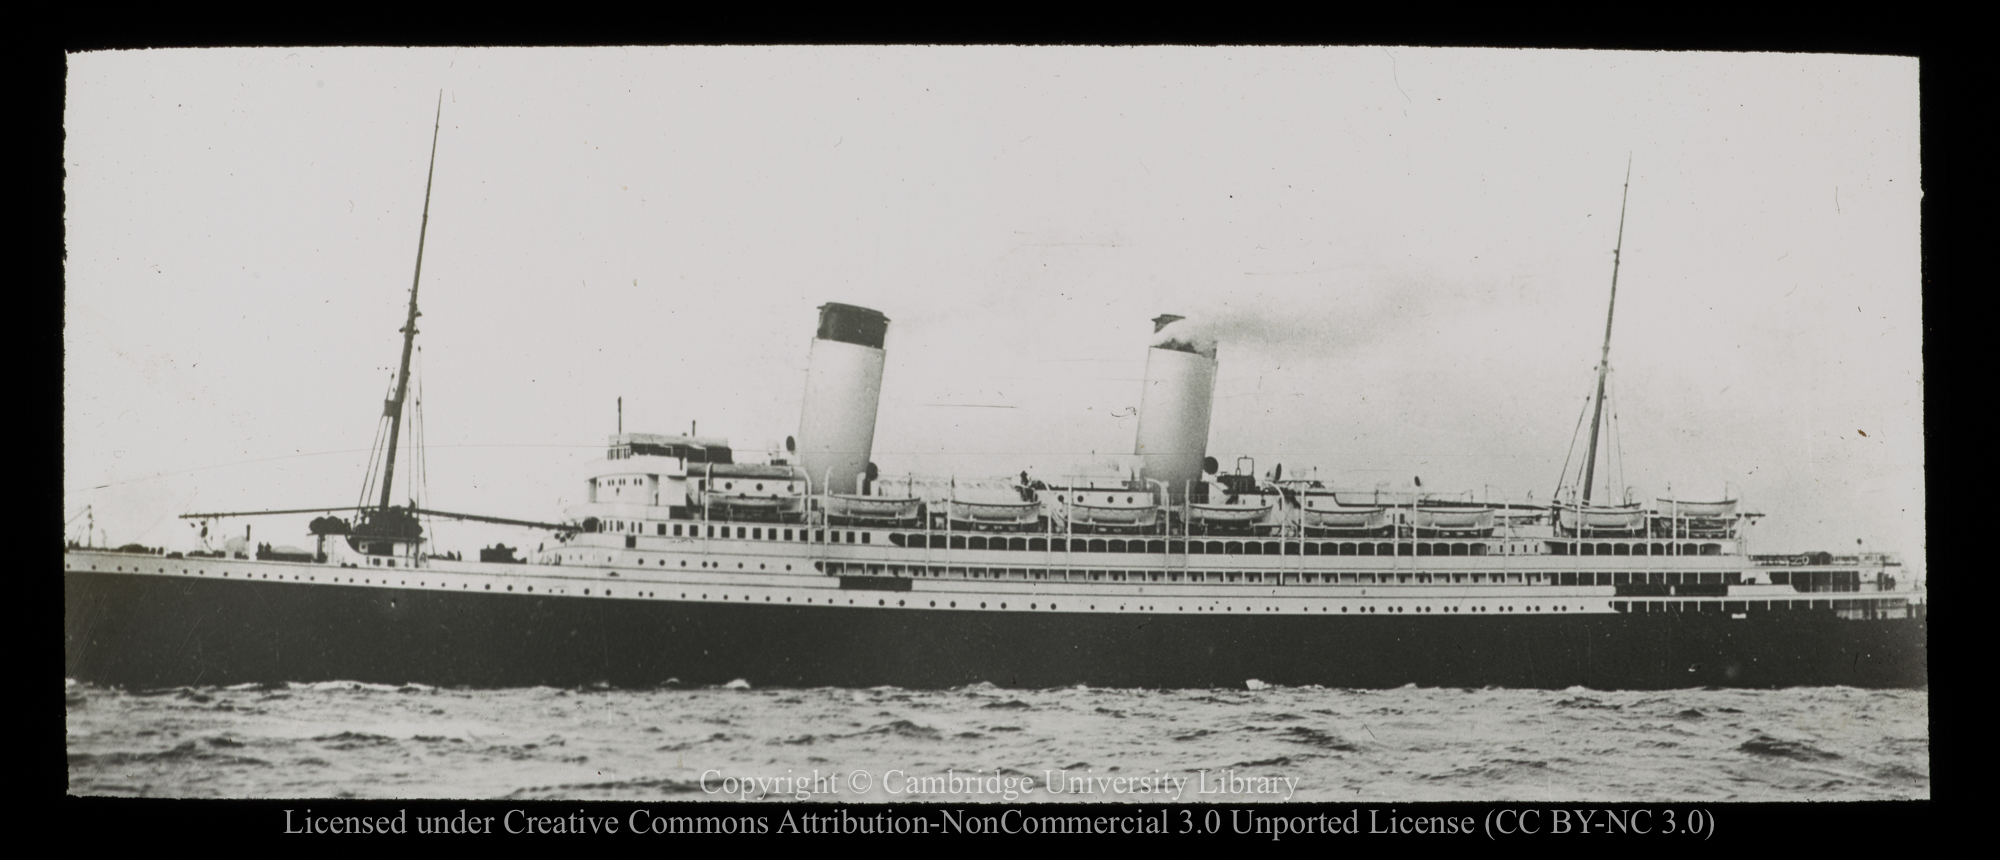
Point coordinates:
pixel 694 563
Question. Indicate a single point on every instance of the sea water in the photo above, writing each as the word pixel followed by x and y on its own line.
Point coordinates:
pixel 985 743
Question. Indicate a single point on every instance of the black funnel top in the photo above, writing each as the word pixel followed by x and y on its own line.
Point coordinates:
pixel 852 324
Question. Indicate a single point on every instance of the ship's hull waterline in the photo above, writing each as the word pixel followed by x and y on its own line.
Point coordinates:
pixel 147 631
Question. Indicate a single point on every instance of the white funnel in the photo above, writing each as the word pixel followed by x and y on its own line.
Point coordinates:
pixel 1174 409
pixel 843 388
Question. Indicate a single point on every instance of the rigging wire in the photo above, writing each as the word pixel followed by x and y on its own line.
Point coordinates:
pixel 420 478
pixel 1617 453
pixel 1563 479
pixel 375 453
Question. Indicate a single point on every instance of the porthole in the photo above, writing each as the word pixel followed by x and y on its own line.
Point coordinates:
pixel 982 605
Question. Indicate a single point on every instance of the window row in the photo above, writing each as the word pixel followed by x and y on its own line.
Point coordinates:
pixel 1273 577
pixel 1891 607
pixel 770 533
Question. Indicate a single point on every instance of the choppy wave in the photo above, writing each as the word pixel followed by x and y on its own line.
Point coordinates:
pixel 347 739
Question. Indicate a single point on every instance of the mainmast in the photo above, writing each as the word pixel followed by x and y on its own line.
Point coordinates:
pixel 393 409
pixel 1603 359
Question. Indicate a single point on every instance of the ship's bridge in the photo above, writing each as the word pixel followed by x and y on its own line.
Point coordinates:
pixel 652 468
pixel 648 476
pixel 687 449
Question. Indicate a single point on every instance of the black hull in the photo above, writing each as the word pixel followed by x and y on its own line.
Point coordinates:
pixel 154 631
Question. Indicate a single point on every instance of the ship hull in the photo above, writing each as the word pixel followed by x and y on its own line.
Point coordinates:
pixel 154 631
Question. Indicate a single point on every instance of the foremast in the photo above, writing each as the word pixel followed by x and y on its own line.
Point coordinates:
pixel 384 520
pixel 1603 358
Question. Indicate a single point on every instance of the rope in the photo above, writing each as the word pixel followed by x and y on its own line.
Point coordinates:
pixel 1563 479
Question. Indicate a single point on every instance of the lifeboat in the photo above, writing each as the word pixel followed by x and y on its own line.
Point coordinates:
pixel 873 508
pixel 996 513
pixel 1243 512
pixel 745 505
pixel 1609 519
pixel 1695 519
pixel 1437 520
pixel 1326 511
pixel 1672 508
pixel 990 507
pixel 1114 508
pixel 757 491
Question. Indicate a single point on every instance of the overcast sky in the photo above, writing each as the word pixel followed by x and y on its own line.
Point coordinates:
pixel 1410 250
